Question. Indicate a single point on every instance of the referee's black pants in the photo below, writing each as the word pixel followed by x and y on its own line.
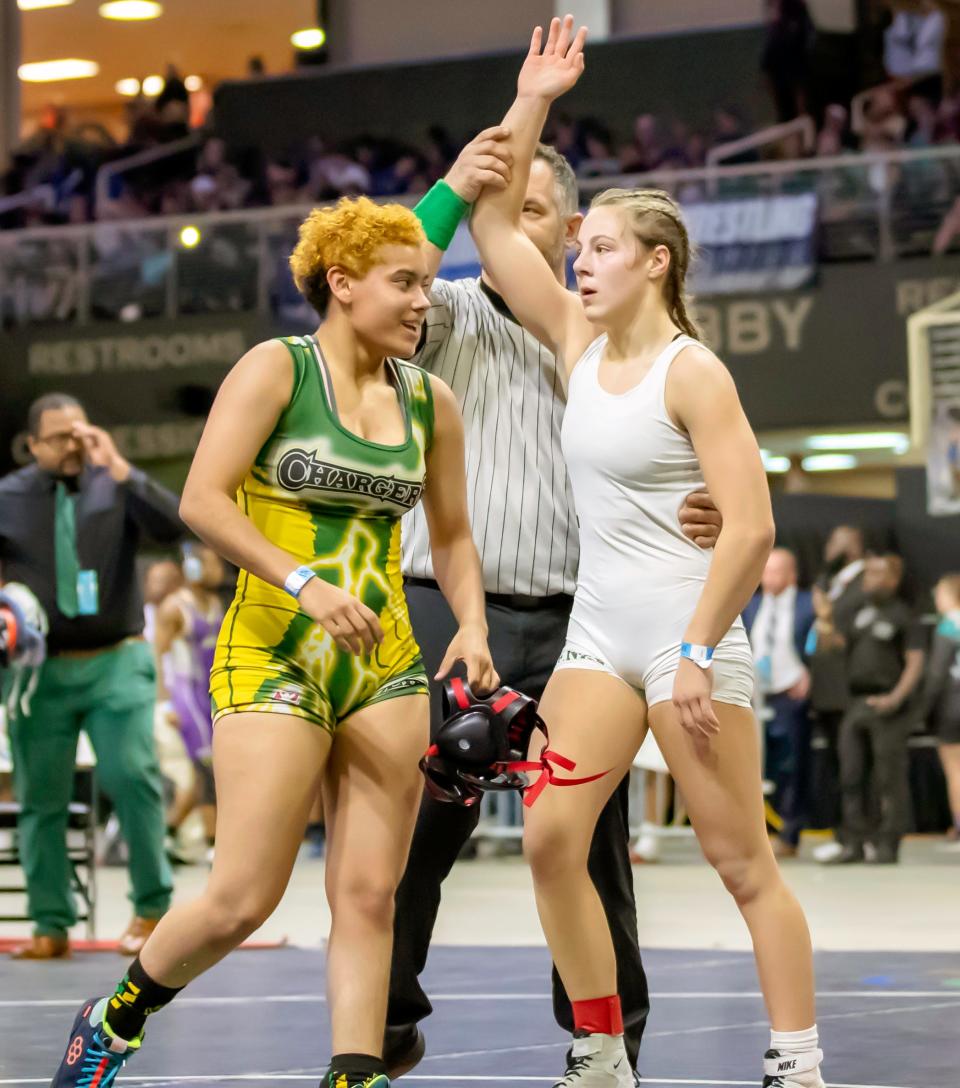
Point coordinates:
pixel 525 646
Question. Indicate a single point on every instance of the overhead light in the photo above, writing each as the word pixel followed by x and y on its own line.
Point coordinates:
pixel 129 87
pixel 310 38
pixel 866 440
pixel 773 462
pixel 153 85
pixel 131 10
pixel 49 71
pixel 36 5
pixel 829 462
pixel 189 237
pixel 193 83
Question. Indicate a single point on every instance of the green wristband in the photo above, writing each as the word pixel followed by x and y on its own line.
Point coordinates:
pixel 440 212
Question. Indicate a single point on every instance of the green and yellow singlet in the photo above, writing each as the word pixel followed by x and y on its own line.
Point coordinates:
pixel 333 500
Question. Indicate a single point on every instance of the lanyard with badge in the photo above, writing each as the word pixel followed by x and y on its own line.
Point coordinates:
pixel 768 642
pixel 78 589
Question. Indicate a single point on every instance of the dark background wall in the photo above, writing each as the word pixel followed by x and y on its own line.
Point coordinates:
pixel 665 76
pixel 929 545
pixel 800 359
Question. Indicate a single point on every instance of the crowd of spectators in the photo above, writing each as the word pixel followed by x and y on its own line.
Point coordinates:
pixel 908 110
pixel 848 661
pixel 210 176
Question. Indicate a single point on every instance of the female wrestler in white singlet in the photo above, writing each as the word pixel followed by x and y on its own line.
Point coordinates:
pixel 655 636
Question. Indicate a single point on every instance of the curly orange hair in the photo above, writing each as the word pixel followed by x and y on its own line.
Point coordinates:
pixel 349 234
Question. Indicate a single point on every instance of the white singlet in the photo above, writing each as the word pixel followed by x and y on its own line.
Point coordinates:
pixel 640 578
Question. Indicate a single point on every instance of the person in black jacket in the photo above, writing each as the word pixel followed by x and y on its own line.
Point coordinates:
pixel 70 527
pixel 941 693
pixel 786 55
pixel 883 645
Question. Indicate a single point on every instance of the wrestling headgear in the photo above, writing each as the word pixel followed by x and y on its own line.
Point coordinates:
pixel 482 745
pixel 23 627
pixel 23 643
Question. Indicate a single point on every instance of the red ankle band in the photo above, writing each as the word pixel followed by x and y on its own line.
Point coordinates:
pixel 599 1015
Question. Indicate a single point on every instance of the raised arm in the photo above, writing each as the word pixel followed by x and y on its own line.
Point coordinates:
pixel 485 161
pixel 541 304
pixel 152 508
pixel 702 398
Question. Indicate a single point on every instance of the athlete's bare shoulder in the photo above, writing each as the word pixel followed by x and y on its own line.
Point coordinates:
pixel 443 396
pixel 275 351
pixel 696 358
pixel 273 355
pixel 265 373
pixel 697 379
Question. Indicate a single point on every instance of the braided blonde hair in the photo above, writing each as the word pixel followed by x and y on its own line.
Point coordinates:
pixel 656 220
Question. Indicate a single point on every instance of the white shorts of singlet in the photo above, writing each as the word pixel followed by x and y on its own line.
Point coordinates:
pixel 733 668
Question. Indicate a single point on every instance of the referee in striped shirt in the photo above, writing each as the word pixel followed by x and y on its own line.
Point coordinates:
pixel 512 395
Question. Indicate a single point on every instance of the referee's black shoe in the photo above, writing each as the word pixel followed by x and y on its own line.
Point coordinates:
pixel 403 1048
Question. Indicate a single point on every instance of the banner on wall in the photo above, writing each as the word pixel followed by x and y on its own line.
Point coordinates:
pixel 943 458
pixel 765 243
pixel 461 260
pixel 152 380
pixel 943 440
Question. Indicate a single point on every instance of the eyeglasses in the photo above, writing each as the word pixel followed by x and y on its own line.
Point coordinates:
pixel 59 440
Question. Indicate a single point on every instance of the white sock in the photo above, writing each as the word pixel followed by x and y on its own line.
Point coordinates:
pixel 795 1042
pixel 799 1057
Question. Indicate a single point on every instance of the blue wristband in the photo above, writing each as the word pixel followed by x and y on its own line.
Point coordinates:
pixel 699 655
pixel 297 579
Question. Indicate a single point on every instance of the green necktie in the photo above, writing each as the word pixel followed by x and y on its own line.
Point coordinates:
pixel 65 547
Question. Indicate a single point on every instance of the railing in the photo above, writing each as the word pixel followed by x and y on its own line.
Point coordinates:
pixel 42 195
pixel 803 127
pixel 111 170
pixel 861 101
pixel 871 207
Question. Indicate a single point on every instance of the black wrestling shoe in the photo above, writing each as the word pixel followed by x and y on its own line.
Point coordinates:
pixel 885 855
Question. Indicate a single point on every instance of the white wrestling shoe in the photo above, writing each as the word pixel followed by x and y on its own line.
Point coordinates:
pixel 597 1061
pixel 792 1070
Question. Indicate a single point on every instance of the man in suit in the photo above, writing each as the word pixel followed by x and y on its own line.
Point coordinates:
pixel 779 618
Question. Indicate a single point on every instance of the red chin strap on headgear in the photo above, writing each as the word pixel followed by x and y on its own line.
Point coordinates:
pixel 482 745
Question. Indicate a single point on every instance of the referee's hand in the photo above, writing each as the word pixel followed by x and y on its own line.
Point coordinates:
pixel 700 520
pixel 469 645
pixel 486 160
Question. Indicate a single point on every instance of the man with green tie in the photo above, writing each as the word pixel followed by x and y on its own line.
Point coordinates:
pixel 70 526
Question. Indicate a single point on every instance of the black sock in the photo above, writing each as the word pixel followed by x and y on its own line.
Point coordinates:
pixel 355 1067
pixel 135 998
